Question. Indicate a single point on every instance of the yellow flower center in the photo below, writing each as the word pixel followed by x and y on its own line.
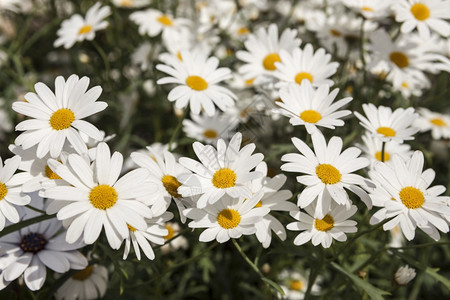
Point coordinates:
pixel 50 174
pixel 411 197
pixel 3 191
pixel 62 119
pixel 85 29
pixel 420 11
pixel 400 59
pixel 165 20
pixel 228 218
pixel 171 185
pixel 210 134
pixel 367 8
pixel 224 178
pixel 310 116
pixel 127 3
pixel 324 224
pixel 335 32
pixel 131 228
pixel 179 56
pixel 296 285
pixel 270 60
pixel 83 274
pixel 386 156
pixel 103 196
pixel 249 81
pixel 328 174
pixel 171 232
pixel 303 75
pixel 243 31
pixel 259 204
pixel 196 83
pixel 386 131
pixel 438 122
pixel 405 84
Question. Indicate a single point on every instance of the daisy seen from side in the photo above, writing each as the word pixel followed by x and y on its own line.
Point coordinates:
pixel 388 125
pixel 273 198
pixel 197 78
pixel 140 239
pixel 311 107
pixel 438 123
pixel 57 117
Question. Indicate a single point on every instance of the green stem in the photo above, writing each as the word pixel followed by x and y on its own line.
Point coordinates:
pixel 36 209
pixel 383 146
pixel 314 273
pixel 177 129
pixel 245 257
pixel 103 56
pixel 24 223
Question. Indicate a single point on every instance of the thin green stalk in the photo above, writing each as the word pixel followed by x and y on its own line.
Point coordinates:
pixel 103 56
pixel 315 270
pixel 36 209
pixel 177 129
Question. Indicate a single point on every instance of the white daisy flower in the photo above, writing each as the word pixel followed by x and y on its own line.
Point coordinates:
pixel 388 125
pixel 77 28
pixel 439 124
pixel 30 250
pixel 226 170
pixel 58 116
pixel 337 31
pixel 311 107
pixel 155 233
pixel 274 199
pixel 303 64
pixel 90 283
pixel 371 9
pixel 322 230
pixel 38 172
pixel 372 149
pixel 152 22
pixel 197 78
pixel 164 170
pixel 208 129
pixel 263 51
pixel 404 275
pixel 423 15
pixel 95 197
pixel 328 172
pixel 403 58
pixel 11 190
pixel 295 284
pixel 178 243
pixel 227 218
pixel 404 193
pixel 131 3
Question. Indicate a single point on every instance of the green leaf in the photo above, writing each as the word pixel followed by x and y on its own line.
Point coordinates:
pixel 433 272
pixel 11 228
pixel 372 292
pixel 274 285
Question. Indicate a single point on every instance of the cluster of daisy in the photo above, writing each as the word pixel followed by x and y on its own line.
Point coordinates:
pixel 232 78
